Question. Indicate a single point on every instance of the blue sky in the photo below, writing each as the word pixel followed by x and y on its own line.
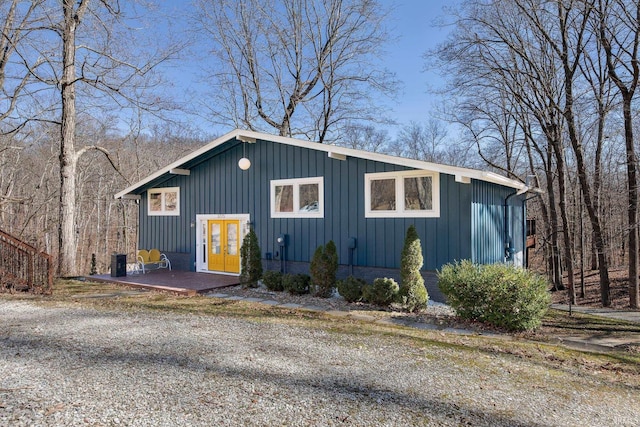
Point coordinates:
pixel 411 22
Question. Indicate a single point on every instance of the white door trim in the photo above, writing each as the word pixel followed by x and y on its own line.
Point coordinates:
pixel 201 253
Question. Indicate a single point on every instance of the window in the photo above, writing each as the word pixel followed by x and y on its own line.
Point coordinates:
pixel 402 194
pixel 292 198
pixel 164 201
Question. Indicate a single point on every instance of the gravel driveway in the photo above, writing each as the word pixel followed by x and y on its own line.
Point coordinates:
pixel 74 366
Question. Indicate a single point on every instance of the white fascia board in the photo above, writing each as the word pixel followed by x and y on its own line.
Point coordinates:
pixel 503 180
pixel 178 163
pixel 462 174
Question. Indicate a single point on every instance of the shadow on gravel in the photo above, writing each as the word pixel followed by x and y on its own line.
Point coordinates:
pixel 32 350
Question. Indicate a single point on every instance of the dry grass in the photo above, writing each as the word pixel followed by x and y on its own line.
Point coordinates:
pixel 620 365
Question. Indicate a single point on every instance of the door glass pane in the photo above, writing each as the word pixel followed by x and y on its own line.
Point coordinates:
pixel 383 194
pixel 232 239
pixel 215 238
pixel 284 198
pixel 309 196
pixel 418 193
pixel 204 240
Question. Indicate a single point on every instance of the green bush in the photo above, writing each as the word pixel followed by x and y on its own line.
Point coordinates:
pixel 323 269
pixel 497 294
pixel 382 292
pixel 250 261
pixel 272 279
pixel 413 294
pixel 296 284
pixel 351 288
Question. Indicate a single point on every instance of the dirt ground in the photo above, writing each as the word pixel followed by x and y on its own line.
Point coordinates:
pixel 619 290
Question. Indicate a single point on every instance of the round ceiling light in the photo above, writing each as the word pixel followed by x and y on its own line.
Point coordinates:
pixel 244 163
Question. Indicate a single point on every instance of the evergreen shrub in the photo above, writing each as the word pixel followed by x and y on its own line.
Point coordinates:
pixel 323 269
pixel 498 294
pixel 351 288
pixel 250 261
pixel 413 294
pixel 296 284
pixel 272 279
pixel 382 292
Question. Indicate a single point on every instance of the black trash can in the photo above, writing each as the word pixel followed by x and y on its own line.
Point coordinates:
pixel 118 265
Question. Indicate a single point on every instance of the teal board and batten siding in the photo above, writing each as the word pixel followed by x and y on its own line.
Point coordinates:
pixel 488 235
pixel 217 186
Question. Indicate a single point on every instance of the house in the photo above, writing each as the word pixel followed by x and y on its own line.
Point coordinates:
pixel 298 195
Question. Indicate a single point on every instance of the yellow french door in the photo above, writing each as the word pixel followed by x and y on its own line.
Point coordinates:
pixel 224 245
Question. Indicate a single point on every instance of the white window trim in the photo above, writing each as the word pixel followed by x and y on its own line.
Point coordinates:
pixel 296 182
pixel 400 211
pixel 162 192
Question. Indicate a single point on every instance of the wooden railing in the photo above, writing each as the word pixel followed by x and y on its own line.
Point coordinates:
pixel 23 267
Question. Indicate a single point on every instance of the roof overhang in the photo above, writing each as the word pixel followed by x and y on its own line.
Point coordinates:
pixel 463 175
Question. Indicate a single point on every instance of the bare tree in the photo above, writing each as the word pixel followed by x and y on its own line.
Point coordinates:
pixel 583 62
pixel 422 141
pixel 90 59
pixel 18 22
pixel 549 67
pixel 492 125
pixel 566 34
pixel 503 70
pixel 594 71
pixel 365 137
pixel 620 37
pixel 302 67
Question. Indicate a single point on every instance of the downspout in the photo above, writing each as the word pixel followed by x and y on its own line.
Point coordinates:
pixel 509 250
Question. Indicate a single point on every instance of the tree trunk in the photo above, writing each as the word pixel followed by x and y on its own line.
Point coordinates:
pixel 67 241
pixel 634 295
pixel 627 90
pixel 566 234
pixel 594 252
pixel 555 253
pixel 590 202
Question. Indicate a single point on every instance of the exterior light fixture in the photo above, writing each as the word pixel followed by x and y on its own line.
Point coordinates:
pixel 244 163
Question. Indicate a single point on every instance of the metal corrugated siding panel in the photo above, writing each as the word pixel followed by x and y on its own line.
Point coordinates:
pixel 487 223
pixel 518 222
pixel 164 231
pixel 488 233
pixel 218 186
